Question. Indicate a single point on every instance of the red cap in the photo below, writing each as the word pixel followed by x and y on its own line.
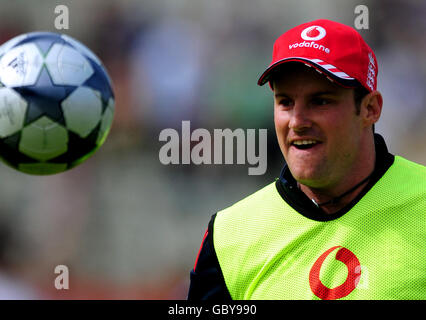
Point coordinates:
pixel 334 49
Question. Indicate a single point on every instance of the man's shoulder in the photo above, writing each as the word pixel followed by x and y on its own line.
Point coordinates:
pixel 404 182
pixel 408 171
pixel 256 199
pixel 411 165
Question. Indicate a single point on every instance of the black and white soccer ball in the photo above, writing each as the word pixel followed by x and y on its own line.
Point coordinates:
pixel 56 103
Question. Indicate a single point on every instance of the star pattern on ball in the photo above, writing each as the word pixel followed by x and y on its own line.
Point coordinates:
pixel 44 98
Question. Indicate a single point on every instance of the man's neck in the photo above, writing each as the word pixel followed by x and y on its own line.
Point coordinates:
pixel 334 198
pixel 330 204
pixel 287 187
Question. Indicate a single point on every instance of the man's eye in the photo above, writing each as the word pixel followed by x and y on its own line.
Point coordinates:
pixel 286 103
pixel 321 101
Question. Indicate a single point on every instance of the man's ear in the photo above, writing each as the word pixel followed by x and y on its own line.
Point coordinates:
pixel 371 108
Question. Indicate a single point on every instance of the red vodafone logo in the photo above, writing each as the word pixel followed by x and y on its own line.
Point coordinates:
pixel 352 263
pixel 313 33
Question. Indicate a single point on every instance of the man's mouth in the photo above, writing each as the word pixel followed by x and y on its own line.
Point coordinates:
pixel 304 144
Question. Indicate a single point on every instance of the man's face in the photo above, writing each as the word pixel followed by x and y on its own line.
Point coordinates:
pixel 317 127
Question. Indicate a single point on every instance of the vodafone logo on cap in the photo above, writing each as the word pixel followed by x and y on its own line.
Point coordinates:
pixel 310 35
pixel 313 33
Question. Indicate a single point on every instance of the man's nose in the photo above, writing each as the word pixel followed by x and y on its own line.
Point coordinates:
pixel 299 118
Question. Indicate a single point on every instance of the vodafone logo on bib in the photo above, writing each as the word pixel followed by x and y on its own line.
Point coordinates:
pixel 313 33
pixel 354 273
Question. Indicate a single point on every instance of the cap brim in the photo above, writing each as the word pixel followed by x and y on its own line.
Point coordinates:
pixel 333 73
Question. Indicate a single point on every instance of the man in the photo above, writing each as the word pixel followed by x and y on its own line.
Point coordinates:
pixel 341 195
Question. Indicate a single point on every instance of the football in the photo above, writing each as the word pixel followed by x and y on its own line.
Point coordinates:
pixel 56 103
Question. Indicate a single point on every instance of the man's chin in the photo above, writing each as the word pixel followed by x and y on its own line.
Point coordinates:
pixel 308 177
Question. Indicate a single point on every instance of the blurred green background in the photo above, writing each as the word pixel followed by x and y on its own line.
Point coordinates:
pixel 129 227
